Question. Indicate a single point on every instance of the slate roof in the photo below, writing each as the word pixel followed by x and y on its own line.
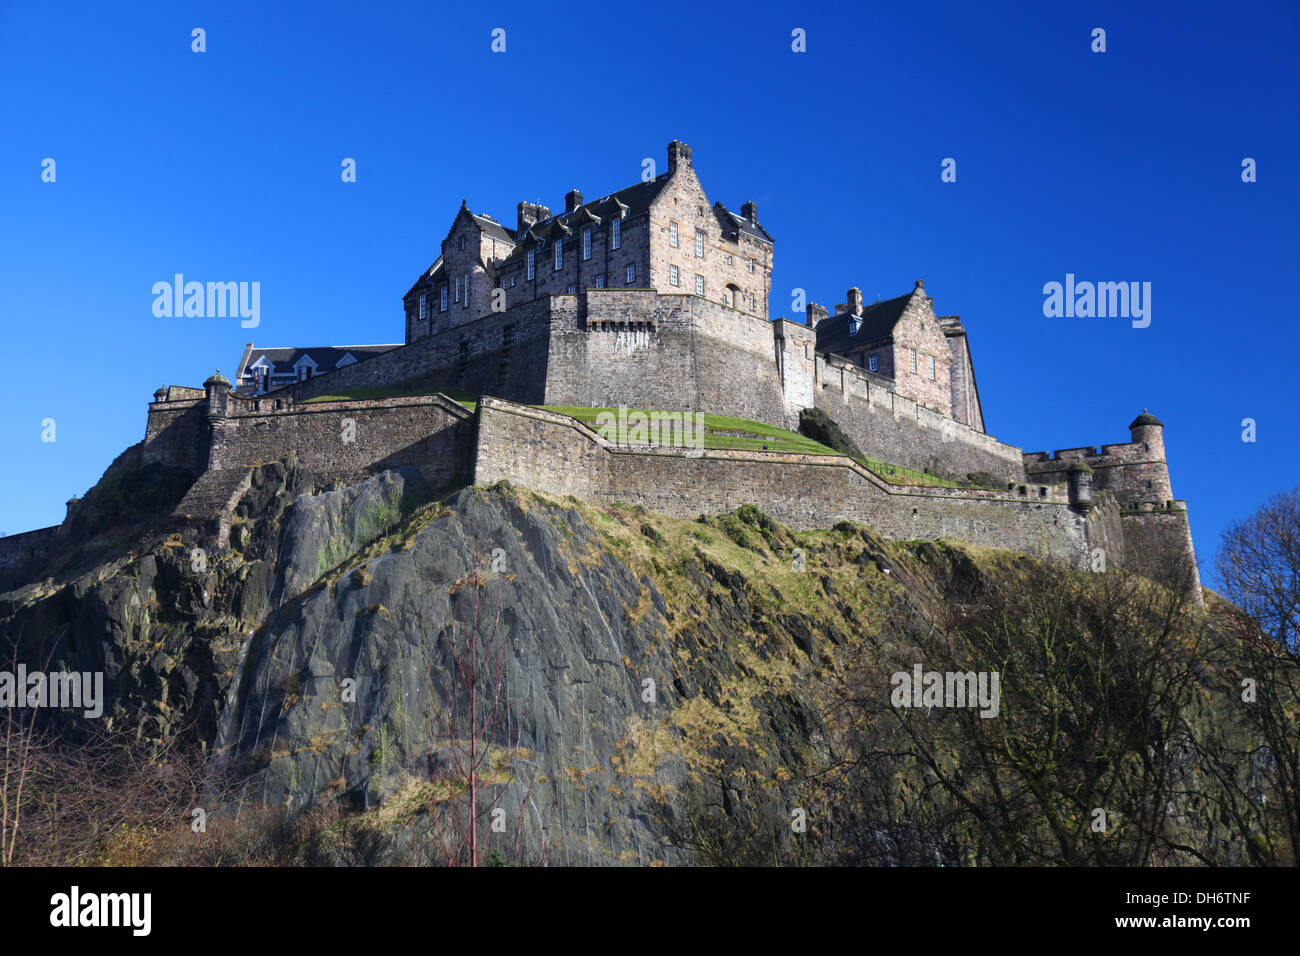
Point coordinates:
pixel 834 334
pixel 743 226
pixel 493 228
pixel 637 198
pixel 326 357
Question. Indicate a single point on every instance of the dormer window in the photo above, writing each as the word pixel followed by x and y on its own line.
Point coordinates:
pixel 855 323
pixel 873 363
pixel 616 235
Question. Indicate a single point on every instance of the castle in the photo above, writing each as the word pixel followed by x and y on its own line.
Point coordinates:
pixel 651 297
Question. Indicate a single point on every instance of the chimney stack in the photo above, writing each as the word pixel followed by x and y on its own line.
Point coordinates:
pixel 750 212
pixel 572 200
pixel 678 152
pixel 815 314
pixel 855 300
pixel 529 214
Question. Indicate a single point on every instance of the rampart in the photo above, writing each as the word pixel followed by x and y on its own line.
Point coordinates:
pixel 557 455
pixel 890 427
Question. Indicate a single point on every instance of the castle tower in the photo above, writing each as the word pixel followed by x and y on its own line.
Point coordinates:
pixel 1147 479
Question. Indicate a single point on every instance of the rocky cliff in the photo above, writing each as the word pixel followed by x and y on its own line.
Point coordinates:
pixel 629 688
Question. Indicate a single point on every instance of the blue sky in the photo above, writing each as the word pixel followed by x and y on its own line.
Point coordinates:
pixel 225 165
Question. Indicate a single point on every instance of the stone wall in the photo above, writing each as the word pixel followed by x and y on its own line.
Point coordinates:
pixel 555 455
pixel 19 552
pixel 673 352
pixel 350 439
pixel 892 428
pixel 502 353
pixel 1134 472
pixel 177 429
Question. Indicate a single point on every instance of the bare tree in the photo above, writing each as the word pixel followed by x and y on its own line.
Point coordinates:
pixel 1259 567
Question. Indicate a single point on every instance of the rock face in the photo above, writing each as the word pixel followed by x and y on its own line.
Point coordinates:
pixel 326 654
pixel 559 661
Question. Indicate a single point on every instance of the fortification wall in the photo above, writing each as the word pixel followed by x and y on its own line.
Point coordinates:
pixel 350 439
pixel 1159 543
pixel 18 552
pixel 556 455
pixel 887 426
pixel 177 431
pixel 675 352
pixel 502 354
pixel 1128 470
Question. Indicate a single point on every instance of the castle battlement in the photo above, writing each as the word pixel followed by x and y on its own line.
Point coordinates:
pixel 652 297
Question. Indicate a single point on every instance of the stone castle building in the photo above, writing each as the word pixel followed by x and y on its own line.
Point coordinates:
pixel 653 297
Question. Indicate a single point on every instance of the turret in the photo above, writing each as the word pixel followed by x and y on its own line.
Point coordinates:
pixel 1079 476
pixel 1149 431
pixel 218 393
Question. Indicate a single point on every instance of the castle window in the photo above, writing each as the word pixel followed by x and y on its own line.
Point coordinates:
pixel 443 304
pixel 699 285
pixel 586 243
pixel 559 254
pixel 931 361
pixel 600 282
pixel 912 359
pixel 466 290
pixel 532 259
pixel 672 234
pixel 424 306
pixel 631 274
pixel 873 363
pixel 617 234
pixel 457 296
pixel 674 277
pixel 751 264
pixel 461 243
pixel 699 244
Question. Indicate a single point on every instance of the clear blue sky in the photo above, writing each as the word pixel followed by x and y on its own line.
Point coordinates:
pixel 225 166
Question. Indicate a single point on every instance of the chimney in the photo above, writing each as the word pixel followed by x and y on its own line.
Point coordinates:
pixel 572 200
pixel 529 214
pixel 678 152
pixel 855 300
pixel 750 212
pixel 815 314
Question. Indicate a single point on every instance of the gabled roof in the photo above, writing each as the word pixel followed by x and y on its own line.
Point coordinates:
pixel 284 360
pixel 493 228
pixel 835 333
pixel 736 224
pixel 427 279
pixel 626 203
